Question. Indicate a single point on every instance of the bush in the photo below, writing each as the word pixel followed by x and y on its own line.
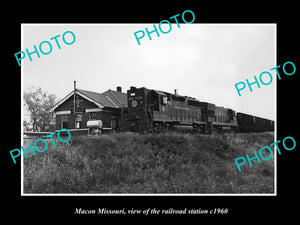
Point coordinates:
pixel 152 163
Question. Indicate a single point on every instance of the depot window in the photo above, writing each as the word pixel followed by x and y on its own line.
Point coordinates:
pixel 164 100
pixel 64 121
pixel 78 121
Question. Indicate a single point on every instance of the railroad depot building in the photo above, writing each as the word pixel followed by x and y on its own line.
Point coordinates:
pixel 80 106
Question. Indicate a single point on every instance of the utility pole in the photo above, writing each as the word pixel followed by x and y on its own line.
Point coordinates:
pixel 74 110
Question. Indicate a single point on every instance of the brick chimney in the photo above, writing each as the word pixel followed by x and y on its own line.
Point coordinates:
pixel 119 88
pixel 175 91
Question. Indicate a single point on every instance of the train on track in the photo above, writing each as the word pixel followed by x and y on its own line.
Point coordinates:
pixel 151 110
pixel 146 110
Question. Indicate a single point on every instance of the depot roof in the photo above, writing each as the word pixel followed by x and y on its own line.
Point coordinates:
pixel 109 98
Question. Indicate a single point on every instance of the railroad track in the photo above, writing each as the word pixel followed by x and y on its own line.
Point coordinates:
pixel 30 135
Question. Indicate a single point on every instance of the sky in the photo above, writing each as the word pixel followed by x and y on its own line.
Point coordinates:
pixel 203 61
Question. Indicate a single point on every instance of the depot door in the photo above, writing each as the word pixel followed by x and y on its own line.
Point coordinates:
pixel 113 123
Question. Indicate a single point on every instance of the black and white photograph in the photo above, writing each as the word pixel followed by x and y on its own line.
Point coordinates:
pixel 137 112
pixel 162 116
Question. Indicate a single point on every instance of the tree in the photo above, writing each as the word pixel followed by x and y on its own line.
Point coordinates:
pixel 38 103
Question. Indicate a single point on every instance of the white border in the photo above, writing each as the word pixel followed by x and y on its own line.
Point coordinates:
pixel 275 122
pixel 22 116
pixel 138 194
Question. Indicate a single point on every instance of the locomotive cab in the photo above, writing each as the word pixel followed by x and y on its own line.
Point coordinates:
pixel 157 101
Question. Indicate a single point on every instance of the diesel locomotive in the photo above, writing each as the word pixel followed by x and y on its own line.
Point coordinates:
pixel 151 110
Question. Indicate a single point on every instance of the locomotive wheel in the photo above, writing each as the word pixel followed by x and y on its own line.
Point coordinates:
pixel 196 128
pixel 162 127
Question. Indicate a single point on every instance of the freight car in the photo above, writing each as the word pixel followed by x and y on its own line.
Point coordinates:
pixel 152 110
pixel 249 123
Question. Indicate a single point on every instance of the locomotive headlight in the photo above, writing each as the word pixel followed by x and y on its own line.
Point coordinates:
pixel 134 103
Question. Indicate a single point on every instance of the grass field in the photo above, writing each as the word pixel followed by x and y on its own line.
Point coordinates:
pixel 152 163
